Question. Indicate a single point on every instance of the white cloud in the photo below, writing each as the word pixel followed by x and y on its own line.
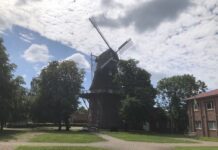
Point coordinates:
pixel 37 53
pixel 26 37
pixel 80 60
pixel 183 43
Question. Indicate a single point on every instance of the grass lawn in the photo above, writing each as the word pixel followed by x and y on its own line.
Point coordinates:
pixel 211 139
pixel 58 148
pixel 67 137
pixel 149 137
pixel 196 148
pixel 7 135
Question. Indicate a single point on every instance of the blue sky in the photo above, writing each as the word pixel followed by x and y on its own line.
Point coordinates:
pixel 171 37
pixel 18 39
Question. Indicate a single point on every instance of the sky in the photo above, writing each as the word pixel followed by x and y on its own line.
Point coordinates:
pixel 170 37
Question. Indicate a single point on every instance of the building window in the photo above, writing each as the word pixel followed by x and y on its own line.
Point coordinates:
pixel 198 125
pixel 210 106
pixel 196 106
pixel 212 125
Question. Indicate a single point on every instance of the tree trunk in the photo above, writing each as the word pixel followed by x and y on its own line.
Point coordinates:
pixel 67 124
pixel 171 120
pixel 59 126
pixel 171 124
pixel 2 125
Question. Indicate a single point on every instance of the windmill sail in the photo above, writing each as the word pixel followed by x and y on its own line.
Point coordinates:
pixel 92 20
pixel 126 45
pixel 107 62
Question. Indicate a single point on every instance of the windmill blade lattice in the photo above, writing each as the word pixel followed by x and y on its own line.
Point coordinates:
pixel 126 45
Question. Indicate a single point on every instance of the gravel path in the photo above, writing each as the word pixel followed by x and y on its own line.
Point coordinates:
pixel 111 143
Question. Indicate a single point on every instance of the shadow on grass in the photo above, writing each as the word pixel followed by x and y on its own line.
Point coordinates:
pixel 209 139
pixel 45 130
pixel 150 134
pixel 55 129
pixel 7 135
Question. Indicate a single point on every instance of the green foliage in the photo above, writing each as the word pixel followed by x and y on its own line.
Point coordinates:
pixel 13 100
pixel 138 93
pixel 20 102
pixel 134 80
pixel 172 92
pixel 159 121
pixel 56 92
pixel 6 88
pixel 133 112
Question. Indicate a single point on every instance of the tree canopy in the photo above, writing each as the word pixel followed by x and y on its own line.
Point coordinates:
pixel 20 103
pixel 12 93
pixel 172 92
pixel 6 76
pixel 56 92
pixel 138 93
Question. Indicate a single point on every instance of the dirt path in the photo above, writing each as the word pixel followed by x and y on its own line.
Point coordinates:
pixel 111 143
pixel 25 137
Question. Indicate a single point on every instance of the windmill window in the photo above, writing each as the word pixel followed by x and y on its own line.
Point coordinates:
pixel 210 106
pixel 212 125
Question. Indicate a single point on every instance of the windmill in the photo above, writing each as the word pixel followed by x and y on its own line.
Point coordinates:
pixel 127 44
pixel 104 94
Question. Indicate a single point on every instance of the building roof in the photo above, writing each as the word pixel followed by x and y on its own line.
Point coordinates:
pixel 205 94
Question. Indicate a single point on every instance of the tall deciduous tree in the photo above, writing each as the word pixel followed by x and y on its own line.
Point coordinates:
pixel 138 93
pixel 171 94
pixel 6 75
pixel 20 102
pixel 57 91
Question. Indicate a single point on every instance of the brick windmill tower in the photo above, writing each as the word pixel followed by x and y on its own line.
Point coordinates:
pixel 104 95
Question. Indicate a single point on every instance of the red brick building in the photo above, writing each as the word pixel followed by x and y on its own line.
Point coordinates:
pixel 203 114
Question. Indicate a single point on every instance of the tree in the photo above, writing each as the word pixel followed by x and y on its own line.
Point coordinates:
pixel 57 91
pixel 138 93
pixel 6 75
pixel 172 91
pixel 133 112
pixel 19 104
pixel 33 96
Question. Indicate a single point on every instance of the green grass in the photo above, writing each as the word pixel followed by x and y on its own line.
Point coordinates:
pixel 58 148
pixel 211 139
pixel 67 137
pixel 149 137
pixel 7 135
pixel 196 148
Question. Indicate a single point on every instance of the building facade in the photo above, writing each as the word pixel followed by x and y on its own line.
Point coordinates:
pixel 203 114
